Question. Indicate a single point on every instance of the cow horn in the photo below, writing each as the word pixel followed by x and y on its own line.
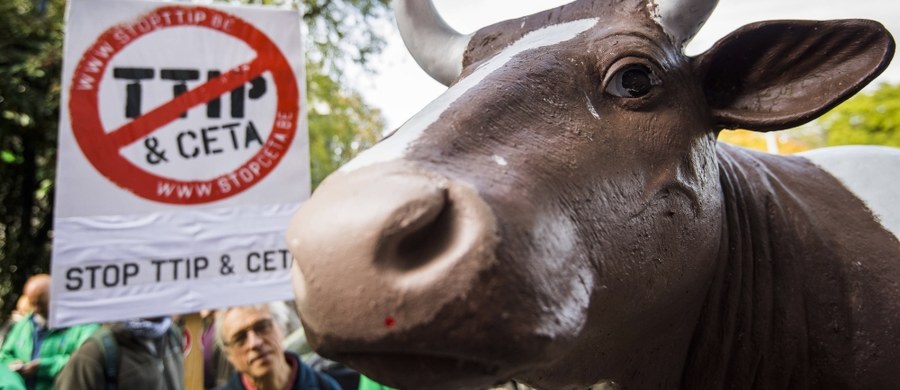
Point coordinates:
pixel 436 46
pixel 681 19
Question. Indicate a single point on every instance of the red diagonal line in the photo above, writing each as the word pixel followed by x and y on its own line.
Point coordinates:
pixel 145 124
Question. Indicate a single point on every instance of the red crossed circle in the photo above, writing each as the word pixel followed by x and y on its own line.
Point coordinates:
pixel 102 147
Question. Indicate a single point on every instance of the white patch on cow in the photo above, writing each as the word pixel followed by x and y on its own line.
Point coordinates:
pixel 499 160
pixel 395 146
pixel 560 276
pixel 653 9
pixel 872 173
pixel 590 106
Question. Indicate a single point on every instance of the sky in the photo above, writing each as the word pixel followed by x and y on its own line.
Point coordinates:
pixel 400 88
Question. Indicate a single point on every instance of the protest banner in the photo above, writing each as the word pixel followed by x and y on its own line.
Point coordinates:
pixel 183 152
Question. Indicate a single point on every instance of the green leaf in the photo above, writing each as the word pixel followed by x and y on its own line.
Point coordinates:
pixel 7 156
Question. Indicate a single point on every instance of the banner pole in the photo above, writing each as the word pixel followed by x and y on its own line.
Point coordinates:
pixel 193 360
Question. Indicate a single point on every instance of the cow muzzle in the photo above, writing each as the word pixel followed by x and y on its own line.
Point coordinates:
pixel 383 250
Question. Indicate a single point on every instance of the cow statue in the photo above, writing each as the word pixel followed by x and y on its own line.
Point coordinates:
pixel 563 215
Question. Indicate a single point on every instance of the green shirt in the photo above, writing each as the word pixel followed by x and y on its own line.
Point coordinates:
pixel 58 344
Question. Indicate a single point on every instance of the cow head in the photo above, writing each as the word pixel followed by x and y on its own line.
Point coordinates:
pixel 555 215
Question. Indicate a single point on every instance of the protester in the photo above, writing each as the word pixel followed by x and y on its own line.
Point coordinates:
pixel 34 351
pixel 23 308
pixel 130 355
pixel 252 340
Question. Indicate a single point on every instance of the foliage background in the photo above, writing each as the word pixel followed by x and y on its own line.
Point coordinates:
pixel 340 34
pixel 30 62
pixel 869 118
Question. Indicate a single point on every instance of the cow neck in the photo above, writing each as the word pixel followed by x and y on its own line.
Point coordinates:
pixel 784 288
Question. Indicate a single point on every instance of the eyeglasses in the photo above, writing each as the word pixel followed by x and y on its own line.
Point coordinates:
pixel 261 328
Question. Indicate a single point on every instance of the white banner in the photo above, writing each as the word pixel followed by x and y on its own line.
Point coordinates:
pixel 183 152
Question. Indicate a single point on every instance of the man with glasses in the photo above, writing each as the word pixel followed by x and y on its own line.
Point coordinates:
pixel 252 342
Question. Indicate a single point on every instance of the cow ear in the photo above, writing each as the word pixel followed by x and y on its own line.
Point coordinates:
pixel 780 74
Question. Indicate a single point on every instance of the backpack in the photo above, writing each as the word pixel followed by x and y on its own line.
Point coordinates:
pixel 110 349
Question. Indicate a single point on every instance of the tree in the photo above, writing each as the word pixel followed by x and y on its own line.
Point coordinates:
pixel 869 118
pixel 31 47
pixel 339 30
pixel 340 124
pixel 340 33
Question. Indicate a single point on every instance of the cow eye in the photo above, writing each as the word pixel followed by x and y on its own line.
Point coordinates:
pixel 632 81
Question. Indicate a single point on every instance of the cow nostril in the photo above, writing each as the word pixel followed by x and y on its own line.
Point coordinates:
pixel 428 242
pixel 421 242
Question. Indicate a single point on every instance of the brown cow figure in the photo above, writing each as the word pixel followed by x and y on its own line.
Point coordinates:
pixel 563 215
